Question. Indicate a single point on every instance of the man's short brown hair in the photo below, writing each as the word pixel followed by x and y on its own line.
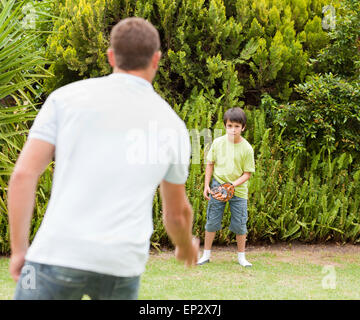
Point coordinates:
pixel 134 41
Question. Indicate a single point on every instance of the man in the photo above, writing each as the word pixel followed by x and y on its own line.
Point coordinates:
pixel 110 139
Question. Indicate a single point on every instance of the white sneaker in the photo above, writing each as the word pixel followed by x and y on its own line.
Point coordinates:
pixel 203 260
pixel 245 263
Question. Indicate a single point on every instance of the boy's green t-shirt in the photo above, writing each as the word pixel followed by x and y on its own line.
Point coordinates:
pixel 231 160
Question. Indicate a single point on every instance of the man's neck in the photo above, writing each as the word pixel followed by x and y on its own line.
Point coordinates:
pixel 138 73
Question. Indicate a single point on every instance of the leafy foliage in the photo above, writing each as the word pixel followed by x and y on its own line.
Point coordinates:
pixel 217 54
pixel 328 115
pixel 21 65
pixel 315 204
pixel 342 55
pixel 249 46
pixel 287 201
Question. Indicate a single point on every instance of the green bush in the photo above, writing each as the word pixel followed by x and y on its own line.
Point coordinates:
pixel 327 116
pixel 21 68
pixel 216 55
pixel 287 201
pixel 316 204
pixel 342 54
pixel 254 46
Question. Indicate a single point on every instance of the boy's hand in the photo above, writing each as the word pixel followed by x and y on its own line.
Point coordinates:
pixel 206 192
pixel 224 192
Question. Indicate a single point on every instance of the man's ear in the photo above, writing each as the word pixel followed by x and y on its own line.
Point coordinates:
pixel 243 129
pixel 155 59
pixel 111 57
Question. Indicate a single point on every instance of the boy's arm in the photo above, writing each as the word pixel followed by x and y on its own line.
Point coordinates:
pixel 245 177
pixel 208 173
pixel 249 167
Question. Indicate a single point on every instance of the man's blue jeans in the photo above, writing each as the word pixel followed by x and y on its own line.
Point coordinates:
pixel 48 282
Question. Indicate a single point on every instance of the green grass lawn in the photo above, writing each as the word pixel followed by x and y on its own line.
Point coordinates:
pixel 278 272
pixel 7 285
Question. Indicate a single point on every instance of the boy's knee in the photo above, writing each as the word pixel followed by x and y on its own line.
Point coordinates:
pixel 239 229
pixel 214 216
pixel 212 226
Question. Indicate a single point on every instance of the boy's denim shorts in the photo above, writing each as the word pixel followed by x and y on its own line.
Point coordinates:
pixel 215 211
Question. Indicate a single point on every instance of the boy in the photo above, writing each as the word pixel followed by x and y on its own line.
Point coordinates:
pixel 231 159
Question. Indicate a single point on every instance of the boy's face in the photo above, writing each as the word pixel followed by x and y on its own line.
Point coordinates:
pixel 234 129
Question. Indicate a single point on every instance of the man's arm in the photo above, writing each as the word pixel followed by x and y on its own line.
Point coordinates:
pixel 33 160
pixel 178 220
pixel 245 177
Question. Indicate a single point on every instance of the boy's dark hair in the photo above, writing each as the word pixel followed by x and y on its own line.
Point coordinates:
pixel 235 115
pixel 134 41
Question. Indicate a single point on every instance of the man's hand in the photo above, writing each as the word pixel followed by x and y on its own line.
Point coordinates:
pixel 16 263
pixel 190 254
pixel 206 192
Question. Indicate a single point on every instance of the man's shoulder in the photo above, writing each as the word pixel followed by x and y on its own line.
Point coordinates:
pixel 75 86
pixel 168 114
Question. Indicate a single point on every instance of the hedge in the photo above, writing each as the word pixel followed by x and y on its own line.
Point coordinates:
pixel 217 55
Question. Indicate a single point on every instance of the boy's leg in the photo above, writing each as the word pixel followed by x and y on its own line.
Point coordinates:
pixel 241 240
pixel 238 208
pixel 214 213
pixel 209 238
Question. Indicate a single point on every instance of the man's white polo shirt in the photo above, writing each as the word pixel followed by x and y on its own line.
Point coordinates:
pixel 115 140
